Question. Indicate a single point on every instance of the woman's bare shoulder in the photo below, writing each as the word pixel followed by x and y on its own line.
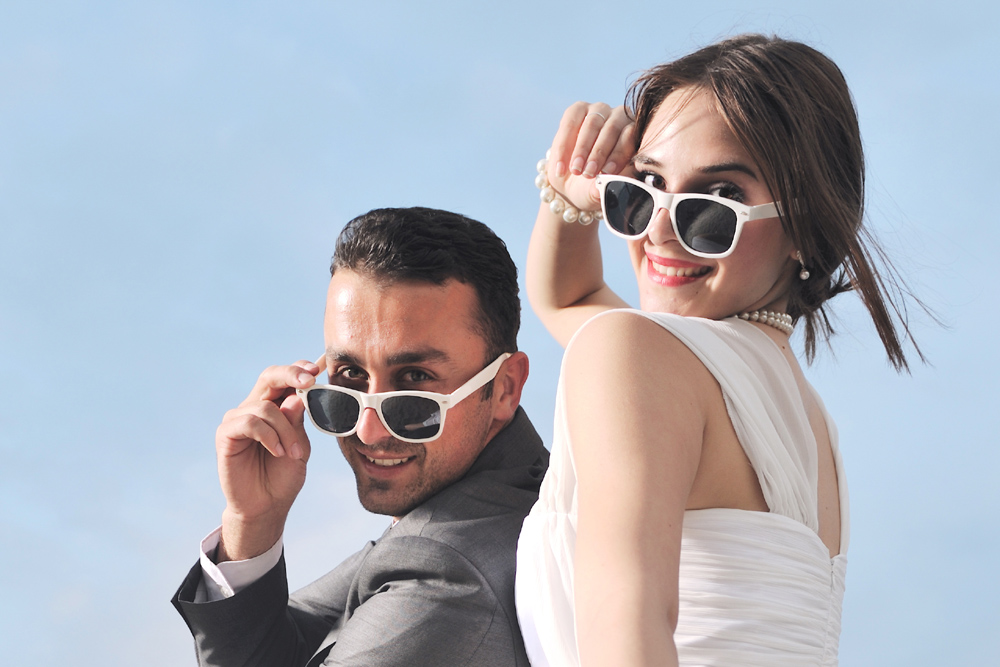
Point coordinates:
pixel 626 340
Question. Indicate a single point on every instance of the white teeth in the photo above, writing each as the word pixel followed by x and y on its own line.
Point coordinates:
pixel 679 271
pixel 387 462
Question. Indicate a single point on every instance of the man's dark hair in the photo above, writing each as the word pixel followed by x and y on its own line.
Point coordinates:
pixel 426 244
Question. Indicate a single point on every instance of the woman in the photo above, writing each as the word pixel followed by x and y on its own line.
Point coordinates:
pixel 695 508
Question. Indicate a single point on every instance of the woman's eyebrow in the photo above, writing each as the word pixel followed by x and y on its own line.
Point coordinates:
pixel 730 166
pixel 722 167
pixel 645 160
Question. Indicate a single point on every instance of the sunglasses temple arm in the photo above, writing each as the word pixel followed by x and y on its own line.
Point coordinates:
pixel 478 380
pixel 765 211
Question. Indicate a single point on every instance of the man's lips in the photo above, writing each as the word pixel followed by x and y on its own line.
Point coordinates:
pixel 386 462
pixel 374 456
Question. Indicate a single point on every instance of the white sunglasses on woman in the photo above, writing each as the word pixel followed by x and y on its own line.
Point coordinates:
pixel 705 225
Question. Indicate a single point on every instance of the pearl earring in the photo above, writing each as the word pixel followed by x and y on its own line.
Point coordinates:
pixel 804 273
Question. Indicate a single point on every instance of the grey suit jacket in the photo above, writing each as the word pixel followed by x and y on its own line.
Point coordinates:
pixel 435 589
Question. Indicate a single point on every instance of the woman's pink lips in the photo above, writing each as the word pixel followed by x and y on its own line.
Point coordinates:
pixel 669 261
pixel 671 281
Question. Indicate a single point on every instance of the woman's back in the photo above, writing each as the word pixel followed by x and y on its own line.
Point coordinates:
pixel 754 587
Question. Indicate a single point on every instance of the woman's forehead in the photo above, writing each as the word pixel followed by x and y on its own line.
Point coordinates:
pixel 688 128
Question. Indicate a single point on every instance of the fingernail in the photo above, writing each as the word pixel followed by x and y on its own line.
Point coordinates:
pixel 591 169
pixel 576 166
pixel 560 168
pixel 279 450
pixel 611 168
pixel 304 377
pixel 295 451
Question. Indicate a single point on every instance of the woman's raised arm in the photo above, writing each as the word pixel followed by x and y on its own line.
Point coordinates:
pixel 564 276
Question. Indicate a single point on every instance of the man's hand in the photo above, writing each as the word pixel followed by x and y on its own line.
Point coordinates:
pixel 262 450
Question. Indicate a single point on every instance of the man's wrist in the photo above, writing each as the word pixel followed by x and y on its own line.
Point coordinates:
pixel 223 580
pixel 243 539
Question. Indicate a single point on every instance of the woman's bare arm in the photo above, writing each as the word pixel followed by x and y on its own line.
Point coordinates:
pixel 565 277
pixel 637 406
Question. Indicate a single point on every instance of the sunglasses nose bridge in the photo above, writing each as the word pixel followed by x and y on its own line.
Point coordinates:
pixel 660 227
pixel 371 429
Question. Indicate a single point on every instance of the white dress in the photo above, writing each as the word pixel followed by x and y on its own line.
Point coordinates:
pixel 755 588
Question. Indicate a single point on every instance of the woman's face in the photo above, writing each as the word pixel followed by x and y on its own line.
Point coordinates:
pixel 688 148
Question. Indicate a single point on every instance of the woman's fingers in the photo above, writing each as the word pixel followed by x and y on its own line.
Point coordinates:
pixel 612 148
pixel 592 138
pixel 565 141
pixel 624 149
pixel 593 143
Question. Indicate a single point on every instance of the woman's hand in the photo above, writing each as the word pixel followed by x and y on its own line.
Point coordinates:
pixel 592 138
pixel 564 276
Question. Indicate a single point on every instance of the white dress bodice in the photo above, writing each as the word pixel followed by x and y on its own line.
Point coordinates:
pixel 755 588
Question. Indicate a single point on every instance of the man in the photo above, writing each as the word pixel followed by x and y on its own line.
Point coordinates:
pixel 420 300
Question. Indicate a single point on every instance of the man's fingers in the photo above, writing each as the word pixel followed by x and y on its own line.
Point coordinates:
pixel 294 412
pixel 235 432
pixel 276 381
pixel 321 363
pixel 308 366
pixel 263 422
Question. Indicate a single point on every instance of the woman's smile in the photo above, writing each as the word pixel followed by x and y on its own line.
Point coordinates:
pixel 673 272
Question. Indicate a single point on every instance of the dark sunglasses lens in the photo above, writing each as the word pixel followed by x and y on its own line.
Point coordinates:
pixel 333 411
pixel 706 226
pixel 412 416
pixel 628 208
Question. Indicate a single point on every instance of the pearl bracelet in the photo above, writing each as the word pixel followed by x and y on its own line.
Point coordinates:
pixel 557 204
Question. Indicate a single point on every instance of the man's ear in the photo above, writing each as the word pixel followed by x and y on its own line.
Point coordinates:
pixel 507 387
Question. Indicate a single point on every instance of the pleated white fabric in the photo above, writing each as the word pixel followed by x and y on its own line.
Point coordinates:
pixel 756 588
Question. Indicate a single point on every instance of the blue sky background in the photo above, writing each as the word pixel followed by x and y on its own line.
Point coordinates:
pixel 172 179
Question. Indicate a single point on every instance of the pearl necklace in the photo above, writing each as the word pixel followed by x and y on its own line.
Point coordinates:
pixel 780 321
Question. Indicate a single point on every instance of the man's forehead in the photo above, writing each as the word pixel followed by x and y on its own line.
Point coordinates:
pixel 386 325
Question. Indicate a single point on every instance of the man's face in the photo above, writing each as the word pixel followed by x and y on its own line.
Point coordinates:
pixel 406 336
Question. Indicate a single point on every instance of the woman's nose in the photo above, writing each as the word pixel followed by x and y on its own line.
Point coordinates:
pixel 660 229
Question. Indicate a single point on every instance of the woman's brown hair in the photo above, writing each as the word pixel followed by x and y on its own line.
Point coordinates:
pixel 790 107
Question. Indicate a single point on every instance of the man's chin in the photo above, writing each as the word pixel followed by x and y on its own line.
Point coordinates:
pixel 386 506
pixel 394 503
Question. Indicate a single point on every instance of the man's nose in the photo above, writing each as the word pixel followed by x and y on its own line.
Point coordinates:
pixel 371 430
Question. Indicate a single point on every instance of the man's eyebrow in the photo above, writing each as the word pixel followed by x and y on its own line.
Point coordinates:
pixel 417 357
pixel 722 167
pixel 334 355
pixel 397 359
